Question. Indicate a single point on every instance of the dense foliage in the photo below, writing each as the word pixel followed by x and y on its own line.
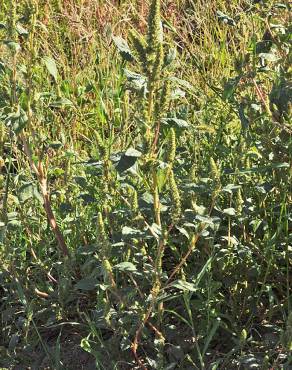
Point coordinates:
pixel 145 185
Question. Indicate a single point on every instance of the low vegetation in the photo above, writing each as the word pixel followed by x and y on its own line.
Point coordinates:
pixel 145 186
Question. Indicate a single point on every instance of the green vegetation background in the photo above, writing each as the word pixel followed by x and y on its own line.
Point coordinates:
pixel 145 185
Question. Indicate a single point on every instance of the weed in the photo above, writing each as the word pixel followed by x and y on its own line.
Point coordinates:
pixel 145 185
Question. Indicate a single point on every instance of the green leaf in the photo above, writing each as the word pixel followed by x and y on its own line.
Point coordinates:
pixel 171 366
pixel 229 211
pixel 15 338
pixel 51 67
pixel 136 81
pixel 126 267
pixel 2 68
pixel 225 18
pixel 170 57
pixel 28 191
pixel 280 6
pixel 177 94
pixel 61 103
pixel 232 240
pixel 200 209
pixel 13 224
pixel 131 152
pixel 243 119
pixel 123 48
pixel 183 285
pixel 21 30
pixel 269 57
pixel 205 219
pixel 258 169
pixel 176 122
pixel 130 232
pixel 86 284
pixel 183 231
pixel 17 121
pixel 55 144
pixel 155 230
pixel 147 198
pixel 85 345
pixel 203 271
pixel 230 87
pixel 230 188
pixel 182 83
pixel 81 181
pixel 87 198
pixel 13 46
pixel 211 334
pixel 128 159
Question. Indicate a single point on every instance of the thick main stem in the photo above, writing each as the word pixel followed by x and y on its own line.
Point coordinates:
pixel 46 197
pixel 51 217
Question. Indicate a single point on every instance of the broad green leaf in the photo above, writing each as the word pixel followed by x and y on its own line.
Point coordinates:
pixel 131 152
pixel 21 30
pixel 85 345
pixel 131 233
pixel 182 83
pixel 201 210
pixel 126 267
pixel 232 240
pixel 61 103
pixel 183 232
pixel 176 122
pixel 243 119
pixel 13 46
pixel 170 57
pixel 230 188
pixel 28 191
pixel 269 57
pixel 225 18
pixel 86 284
pixel 15 338
pixel 205 219
pixel 171 366
pixel 177 93
pixel 128 159
pixel 162 177
pixel 87 198
pixel 51 67
pixel 123 48
pixel 156 230
pixel 81 181
pixel 136 81
pixel 13 224
pixel 229 211
pixel 17 121
pixel 147 198
pixel 230 87
pixel 55 144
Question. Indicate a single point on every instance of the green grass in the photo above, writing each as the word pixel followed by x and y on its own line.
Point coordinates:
pixel 145 185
